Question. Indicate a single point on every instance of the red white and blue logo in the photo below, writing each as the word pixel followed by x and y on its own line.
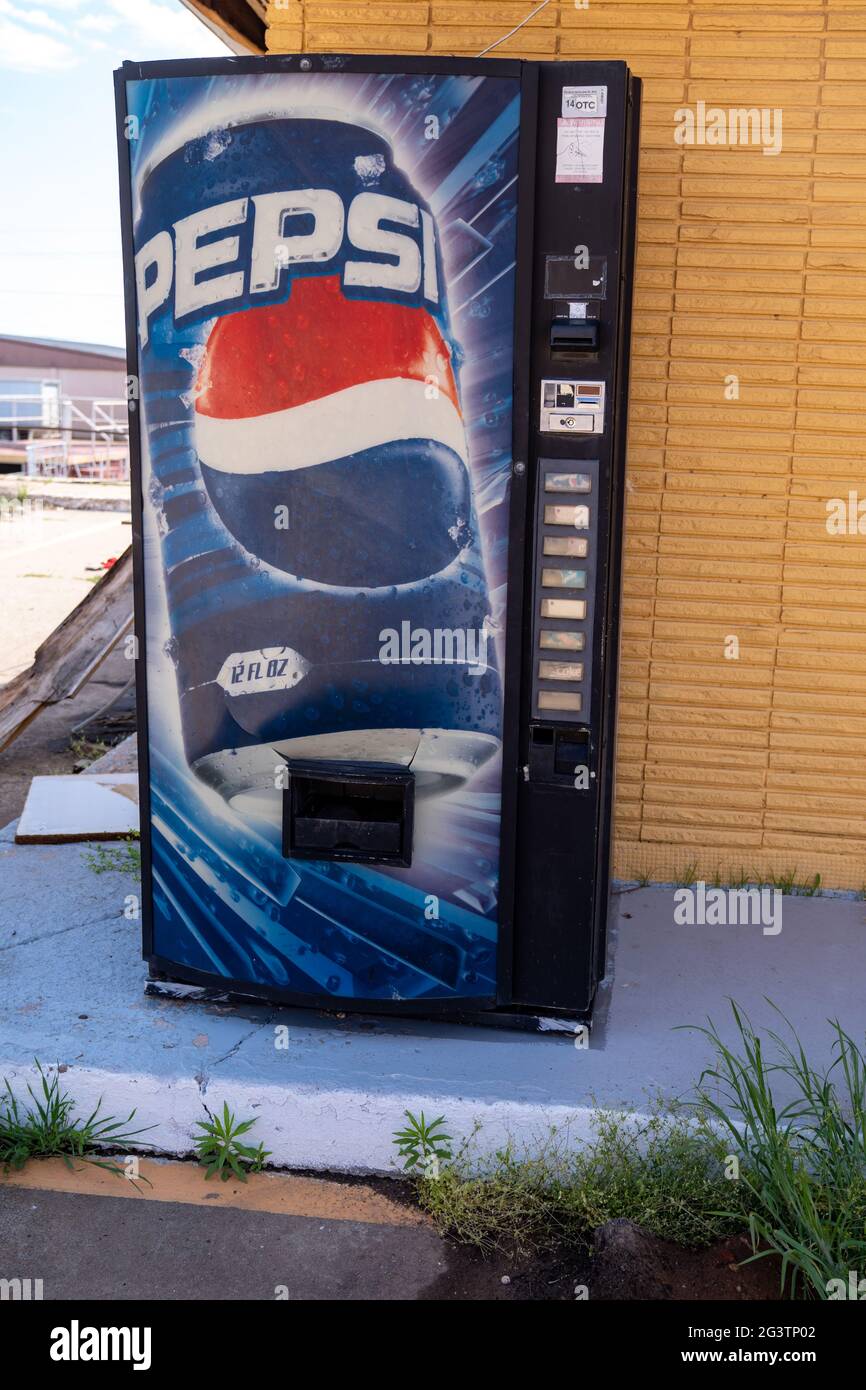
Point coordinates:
pixel 330 437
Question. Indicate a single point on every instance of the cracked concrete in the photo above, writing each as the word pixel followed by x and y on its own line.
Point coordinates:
pixel 71 992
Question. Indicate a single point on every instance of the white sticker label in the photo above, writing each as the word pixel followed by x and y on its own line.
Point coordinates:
pixel 579 150
pixel 576 310
pixel 584 101
pixel 262 671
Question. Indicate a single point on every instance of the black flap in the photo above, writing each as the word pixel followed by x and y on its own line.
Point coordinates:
pixel 574 335
pixel 354 811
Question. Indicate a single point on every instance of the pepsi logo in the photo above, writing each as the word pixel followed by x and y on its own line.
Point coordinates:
pixel 323 447
pixel 183 261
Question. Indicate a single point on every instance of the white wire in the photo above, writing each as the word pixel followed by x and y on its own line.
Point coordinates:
pixel 531 15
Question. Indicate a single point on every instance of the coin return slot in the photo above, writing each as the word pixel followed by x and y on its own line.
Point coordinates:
pixel 560 670
pixel 574 546
pixel 542 736
pixel 571 750
pixel 567 482
pixel 563 608
pixel 360 812
pixel 559 700
pixel 563 579
pixel 561 641
pixel 561 515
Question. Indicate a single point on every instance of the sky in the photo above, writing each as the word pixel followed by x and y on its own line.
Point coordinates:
pixel 60 255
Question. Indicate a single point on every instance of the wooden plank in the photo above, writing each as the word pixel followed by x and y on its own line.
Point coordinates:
pixel 73 651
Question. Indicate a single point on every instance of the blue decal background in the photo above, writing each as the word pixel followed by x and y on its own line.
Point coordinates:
pixel 225 900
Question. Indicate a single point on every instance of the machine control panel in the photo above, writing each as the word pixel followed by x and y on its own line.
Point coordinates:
pixel 583 232
pixel 572 407
pixel 565 564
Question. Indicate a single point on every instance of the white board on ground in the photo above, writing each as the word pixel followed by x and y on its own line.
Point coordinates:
pixel 96 806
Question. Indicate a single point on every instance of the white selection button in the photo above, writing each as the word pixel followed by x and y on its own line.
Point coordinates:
pixel 573 546
pixel 563 579
pixel 559 514
pixel 560 670
pixel 563 608
pixel 551 640
pixel 559 700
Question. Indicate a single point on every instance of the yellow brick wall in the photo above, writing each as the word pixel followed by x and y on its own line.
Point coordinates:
pixel 747 265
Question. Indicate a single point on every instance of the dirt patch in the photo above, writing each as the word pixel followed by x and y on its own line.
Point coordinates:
pixel 470 1277
pixel 629 1263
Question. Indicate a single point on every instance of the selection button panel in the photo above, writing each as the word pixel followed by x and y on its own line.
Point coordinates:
pixel 563 599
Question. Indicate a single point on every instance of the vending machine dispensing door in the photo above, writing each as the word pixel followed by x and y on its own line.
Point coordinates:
pixel 378 317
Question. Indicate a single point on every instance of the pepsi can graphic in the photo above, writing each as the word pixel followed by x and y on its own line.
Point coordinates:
pixel 321 269
pixel 310 469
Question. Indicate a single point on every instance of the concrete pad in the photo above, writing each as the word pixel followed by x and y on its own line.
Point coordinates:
pixel 71 991
pixel 95 806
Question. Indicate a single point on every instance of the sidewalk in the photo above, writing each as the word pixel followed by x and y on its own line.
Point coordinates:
pixel 71 992
pixel 92 1235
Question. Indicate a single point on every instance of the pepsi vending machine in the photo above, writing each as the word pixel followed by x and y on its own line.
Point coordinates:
pixel 378 321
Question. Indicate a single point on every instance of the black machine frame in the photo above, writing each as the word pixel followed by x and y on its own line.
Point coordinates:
pixel 508 1010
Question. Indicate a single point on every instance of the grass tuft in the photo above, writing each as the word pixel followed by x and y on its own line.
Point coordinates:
pixel 771 1145
pixel 804 1158
pixel 122 858
pixel 220 1150
pixel 47 1128
pixel 659 1172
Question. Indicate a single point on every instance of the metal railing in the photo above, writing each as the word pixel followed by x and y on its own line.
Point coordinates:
pixel 82 416
pixel 65 458
pixel 66 437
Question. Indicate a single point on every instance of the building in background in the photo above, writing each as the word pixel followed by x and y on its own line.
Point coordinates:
pixel 742 704
pixel 62 408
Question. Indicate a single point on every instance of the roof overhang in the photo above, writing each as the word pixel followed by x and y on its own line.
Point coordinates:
pixel 239 23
